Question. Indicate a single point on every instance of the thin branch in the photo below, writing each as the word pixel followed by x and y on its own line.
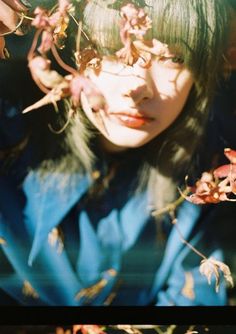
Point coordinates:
pixel 78 24
pixel 16 27
pixel 174 222
pixel 34 44
pixel 170 207
pixel 61 62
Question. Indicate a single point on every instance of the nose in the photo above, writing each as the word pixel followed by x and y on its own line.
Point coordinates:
pixel 139 93
pixel 138 89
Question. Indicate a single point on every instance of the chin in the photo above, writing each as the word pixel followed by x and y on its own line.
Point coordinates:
pixel 127 142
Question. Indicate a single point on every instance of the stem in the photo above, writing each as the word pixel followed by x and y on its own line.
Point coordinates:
pixel 64 126
pixel 61 62
pixel 170 207
pixel 17 27
pixel 28 17
pixel 34 44
pixel 79 25
pixel 174 222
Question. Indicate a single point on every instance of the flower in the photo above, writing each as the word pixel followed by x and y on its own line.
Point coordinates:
pixel 88 58
pixel 134 21
pixel 216 186
pixel 228 172
pixel 42 74
pixel 211 266
pixel 206 190
pixel 53 25
pixel 88 329
pixel 41 19
pixel 55 86
pixel 128 54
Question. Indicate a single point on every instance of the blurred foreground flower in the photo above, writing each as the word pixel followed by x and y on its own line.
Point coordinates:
pixel 217 186
pixel 211 266
pixel 88 329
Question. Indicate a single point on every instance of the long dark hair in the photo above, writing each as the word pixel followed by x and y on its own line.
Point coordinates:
pixel 200 28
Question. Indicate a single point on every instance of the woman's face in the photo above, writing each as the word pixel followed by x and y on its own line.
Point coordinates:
pixel 140 102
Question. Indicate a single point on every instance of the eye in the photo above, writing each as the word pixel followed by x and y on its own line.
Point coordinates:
pixel 174 61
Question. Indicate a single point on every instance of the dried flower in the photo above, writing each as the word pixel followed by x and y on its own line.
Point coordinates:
pixel 134 22
pixel 53 25
pixel 43 76
pixel 228 172
pixel 211 266
pixel 216 186
pixel 80 83
pixel 41 18
pixel 129 54
pixel 88 58
pixel 206 190
pixel 55 95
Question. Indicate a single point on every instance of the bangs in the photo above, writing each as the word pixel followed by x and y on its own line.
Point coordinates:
pixel 197 29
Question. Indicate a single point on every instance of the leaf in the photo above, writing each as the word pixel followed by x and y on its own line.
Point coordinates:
pixel 212 267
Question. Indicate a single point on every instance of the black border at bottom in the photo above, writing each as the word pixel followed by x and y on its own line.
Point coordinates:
pixel 10 315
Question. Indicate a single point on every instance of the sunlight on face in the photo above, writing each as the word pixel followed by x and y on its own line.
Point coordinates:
pixel 140 102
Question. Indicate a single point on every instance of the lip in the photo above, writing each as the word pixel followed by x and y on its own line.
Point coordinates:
pixel 129 119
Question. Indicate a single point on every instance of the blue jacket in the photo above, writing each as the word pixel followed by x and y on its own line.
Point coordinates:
pixel 114 259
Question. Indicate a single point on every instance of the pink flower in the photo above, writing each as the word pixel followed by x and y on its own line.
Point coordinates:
pixel 80 83
pixel 227 172
pixel 88 329
pixel 63 5
pixel 43 75
pixel 216 186
pixel 206 190
pixel 41 19
pixel 53 25
pixel 134 22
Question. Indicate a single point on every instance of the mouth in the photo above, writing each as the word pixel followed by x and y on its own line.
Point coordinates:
pixel 129 120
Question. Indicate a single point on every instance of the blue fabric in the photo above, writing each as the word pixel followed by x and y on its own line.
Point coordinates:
pixel 101 250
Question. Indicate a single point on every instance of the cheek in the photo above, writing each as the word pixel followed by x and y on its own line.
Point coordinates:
pixel 171 82
pixel 105 84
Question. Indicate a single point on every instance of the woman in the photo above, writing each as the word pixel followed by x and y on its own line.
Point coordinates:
pixel 83 230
